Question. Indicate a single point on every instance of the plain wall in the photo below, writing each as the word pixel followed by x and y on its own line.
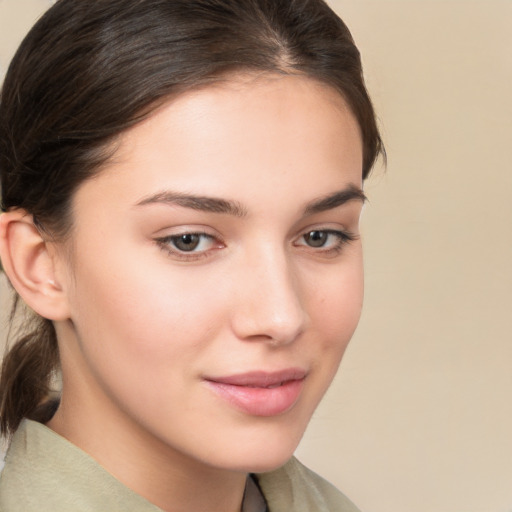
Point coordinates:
pixel 420 416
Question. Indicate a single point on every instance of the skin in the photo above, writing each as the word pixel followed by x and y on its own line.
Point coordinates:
pixel 146 325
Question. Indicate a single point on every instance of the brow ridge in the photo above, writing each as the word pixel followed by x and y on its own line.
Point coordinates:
pixel 339 198
pixel 225 206
pixel 201 203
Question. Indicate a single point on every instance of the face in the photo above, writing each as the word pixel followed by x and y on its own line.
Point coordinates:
pixel 214 273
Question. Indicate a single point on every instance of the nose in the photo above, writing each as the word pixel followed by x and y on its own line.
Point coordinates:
pixel 269 304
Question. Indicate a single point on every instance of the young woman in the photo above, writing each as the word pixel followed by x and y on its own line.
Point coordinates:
pixel 181 192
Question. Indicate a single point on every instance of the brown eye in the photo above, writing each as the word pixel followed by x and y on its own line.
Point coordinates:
pixel 189 246
pixel 316 238
pixel 186 242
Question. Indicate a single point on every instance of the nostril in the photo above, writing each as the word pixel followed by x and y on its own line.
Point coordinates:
pixel 269 328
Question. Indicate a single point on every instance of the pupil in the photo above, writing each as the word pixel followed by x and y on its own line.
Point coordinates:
pixel 187 242
pixel 316 238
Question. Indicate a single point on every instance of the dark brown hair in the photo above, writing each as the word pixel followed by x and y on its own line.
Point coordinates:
pixel 88 70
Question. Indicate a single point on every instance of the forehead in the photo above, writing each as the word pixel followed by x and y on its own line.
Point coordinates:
pixel 239 134
pixel 242 91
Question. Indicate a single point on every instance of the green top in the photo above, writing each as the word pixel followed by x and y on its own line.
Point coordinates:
pixel 46 473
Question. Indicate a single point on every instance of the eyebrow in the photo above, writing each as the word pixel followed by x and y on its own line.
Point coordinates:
pixel 201 203
pixel 350 193
pixel 229 207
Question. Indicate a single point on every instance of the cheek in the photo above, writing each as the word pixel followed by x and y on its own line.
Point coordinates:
pixel 140 316
pixel 334 306
pixel 142 336
pixel 337 303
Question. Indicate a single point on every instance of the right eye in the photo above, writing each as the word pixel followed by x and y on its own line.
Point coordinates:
pixel 189 244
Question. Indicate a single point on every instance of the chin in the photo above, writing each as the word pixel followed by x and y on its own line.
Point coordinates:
pixel 264 465
pixel 264 452
pixel 261 463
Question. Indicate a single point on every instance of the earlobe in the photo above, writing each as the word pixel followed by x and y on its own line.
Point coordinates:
pixel 30 265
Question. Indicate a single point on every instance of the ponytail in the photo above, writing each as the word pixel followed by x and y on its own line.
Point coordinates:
pixel 28 370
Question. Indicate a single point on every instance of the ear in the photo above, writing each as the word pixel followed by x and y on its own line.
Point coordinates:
pixel 31 264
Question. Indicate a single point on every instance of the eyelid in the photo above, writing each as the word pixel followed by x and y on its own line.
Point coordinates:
pixel 341 233
pixel 165 243
pixel 343 236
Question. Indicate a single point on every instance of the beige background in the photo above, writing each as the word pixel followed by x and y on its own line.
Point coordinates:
pixel 420 418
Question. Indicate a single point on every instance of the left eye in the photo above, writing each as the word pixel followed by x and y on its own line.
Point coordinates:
pixel 324 239
pixel 189 242
pixel 317 238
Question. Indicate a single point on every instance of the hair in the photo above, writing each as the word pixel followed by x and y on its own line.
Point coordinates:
pixel 87 71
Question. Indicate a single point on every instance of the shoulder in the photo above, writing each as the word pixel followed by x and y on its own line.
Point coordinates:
pixel 295 488
pixel 45 473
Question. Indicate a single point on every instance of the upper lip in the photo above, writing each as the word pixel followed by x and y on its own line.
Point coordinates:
pixel 261 379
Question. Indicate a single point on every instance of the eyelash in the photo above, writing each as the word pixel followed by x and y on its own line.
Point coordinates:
pixel 342 238
pixel 166 243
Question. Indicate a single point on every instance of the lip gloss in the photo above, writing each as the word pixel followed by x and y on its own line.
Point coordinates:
pixel 260 394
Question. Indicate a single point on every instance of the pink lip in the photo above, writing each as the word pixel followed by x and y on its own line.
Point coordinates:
pixel 260 393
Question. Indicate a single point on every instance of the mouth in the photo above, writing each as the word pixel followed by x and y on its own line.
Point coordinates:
pixel 260 393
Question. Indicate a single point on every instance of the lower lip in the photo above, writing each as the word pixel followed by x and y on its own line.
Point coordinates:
pixel 260 401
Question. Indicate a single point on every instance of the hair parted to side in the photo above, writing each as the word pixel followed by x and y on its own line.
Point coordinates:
pixel 87 71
